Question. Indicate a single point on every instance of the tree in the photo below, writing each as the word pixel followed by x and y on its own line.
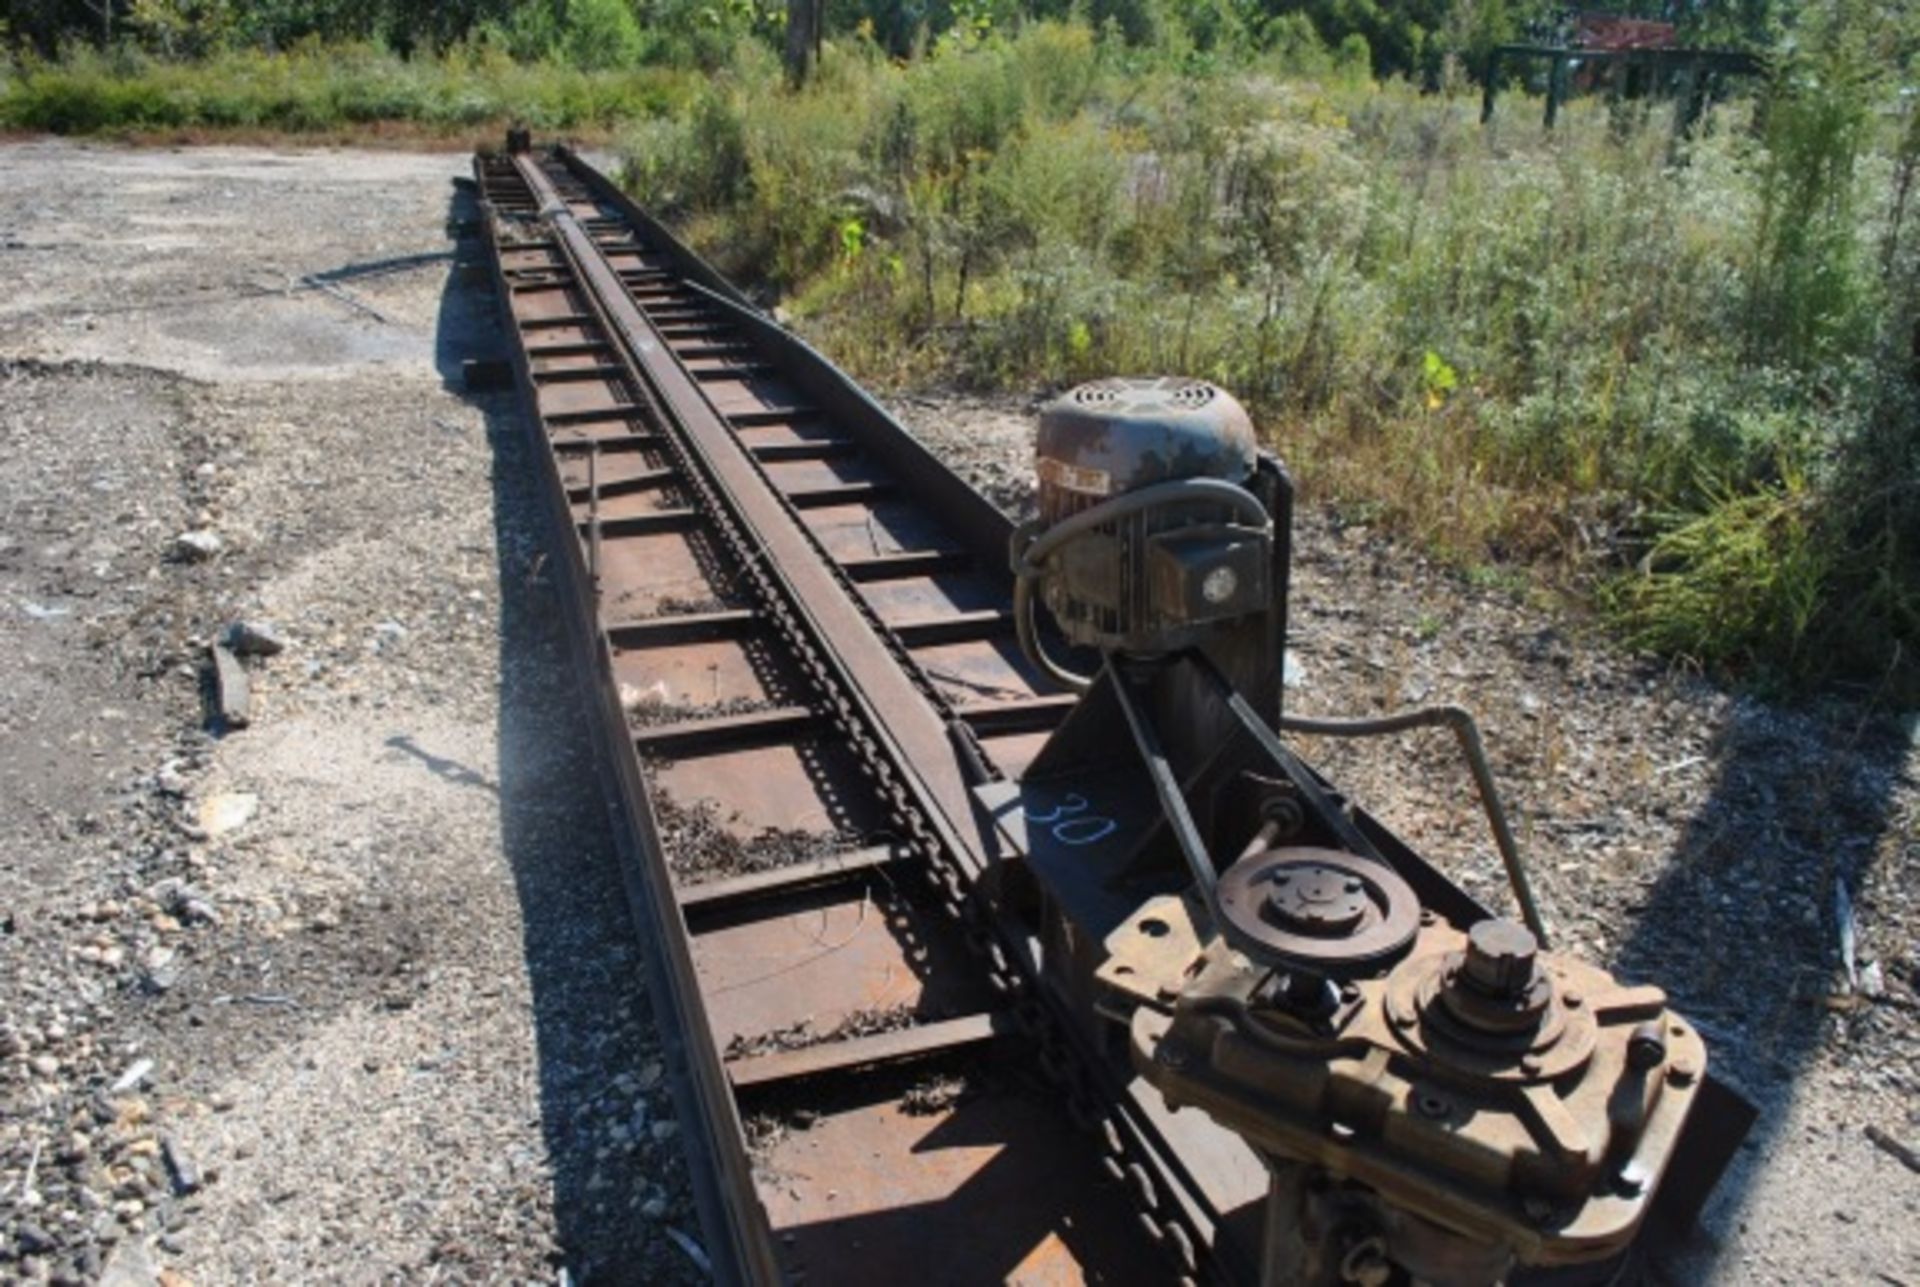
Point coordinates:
pixel 804 20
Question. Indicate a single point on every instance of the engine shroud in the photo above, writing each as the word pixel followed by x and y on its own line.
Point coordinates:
pixel 1160 578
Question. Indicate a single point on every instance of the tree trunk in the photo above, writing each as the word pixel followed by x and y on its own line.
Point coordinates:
pixel 802 39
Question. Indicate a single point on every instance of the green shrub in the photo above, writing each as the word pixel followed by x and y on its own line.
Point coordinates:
pixel 1510 344
pixel 313 88
pixel 1738 583
pixel 1807 292
pixel 599 34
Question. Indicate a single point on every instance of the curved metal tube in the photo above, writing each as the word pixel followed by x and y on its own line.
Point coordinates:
pixel 1030 644
pixel 1467 734
pixel 1032 547
pixel 1026 561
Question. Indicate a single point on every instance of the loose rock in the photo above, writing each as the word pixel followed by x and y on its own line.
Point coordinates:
pixel 228 811
pixel 232 694
pixel 255 639
pixel 132 1265
pixel 30 1239
pixel 196 546
pixel 185 1176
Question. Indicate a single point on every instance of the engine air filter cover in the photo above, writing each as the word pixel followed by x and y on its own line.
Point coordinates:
pixel 1163 577
pixel 1112 436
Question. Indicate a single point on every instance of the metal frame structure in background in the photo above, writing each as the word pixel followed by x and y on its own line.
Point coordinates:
pixel 1695 77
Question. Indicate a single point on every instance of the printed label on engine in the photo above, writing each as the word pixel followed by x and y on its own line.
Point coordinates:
pixel 1094 482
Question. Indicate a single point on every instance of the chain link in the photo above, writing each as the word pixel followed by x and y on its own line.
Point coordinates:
pixel 1120 1155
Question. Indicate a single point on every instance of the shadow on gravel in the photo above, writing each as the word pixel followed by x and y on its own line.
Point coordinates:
pixel 583 965
pixel 1742 926
pixel 441 767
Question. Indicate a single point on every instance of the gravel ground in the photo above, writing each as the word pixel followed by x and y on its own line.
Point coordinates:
pixel 351 993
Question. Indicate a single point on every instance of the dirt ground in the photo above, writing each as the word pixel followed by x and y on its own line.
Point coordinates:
pixel 350 994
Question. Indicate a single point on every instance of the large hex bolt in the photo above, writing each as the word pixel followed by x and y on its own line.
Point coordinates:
pixel 1647 1046
pixel 1501 958
pixel 1496 985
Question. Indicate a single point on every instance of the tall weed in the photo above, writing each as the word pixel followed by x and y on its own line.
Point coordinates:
pixel 314 87
pixel 1740 581
pixel 1573 347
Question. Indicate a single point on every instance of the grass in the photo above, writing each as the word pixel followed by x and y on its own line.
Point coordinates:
pixel 1651 369
pixel 331 89
pixel 1674 378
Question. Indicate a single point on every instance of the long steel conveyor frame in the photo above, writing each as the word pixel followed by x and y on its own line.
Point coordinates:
pixel 917 750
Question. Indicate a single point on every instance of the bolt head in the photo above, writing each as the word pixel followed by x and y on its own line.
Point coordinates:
pixel 1647 1046
pixel 1219 585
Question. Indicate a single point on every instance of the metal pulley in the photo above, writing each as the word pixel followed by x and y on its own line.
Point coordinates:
pixel 1320 907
